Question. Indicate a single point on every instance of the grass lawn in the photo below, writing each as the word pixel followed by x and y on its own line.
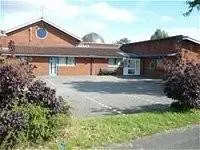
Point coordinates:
pixel 97 131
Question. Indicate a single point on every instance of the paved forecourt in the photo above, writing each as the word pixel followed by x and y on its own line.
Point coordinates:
pixel 106 95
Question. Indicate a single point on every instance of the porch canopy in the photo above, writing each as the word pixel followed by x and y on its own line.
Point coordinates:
pixel 150 55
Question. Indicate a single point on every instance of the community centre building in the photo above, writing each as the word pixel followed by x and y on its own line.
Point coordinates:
pixel 57 52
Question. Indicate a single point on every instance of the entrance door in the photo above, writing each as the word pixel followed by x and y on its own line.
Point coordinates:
pixel 53 66
pixel 131 66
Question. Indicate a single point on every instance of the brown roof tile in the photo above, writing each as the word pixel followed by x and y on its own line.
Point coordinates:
pixel 66 51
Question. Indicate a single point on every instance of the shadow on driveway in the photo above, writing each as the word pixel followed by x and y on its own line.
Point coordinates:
pixel 141 87
pixel 151 108
pixel 135 109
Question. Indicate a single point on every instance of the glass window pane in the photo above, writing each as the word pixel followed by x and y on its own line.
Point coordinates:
pixel 131 71
pixel 70 61
pixel 111 61
pixel 41 33
pixel 114 61
pixel 131 63
pixel 62 61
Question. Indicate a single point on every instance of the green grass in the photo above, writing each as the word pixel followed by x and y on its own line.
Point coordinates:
pixel 97 131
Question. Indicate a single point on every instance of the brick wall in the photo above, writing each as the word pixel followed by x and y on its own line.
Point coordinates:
pixel 27 36
pixel 99 63
pixel 3 41
pixel 83 67
pixel 170 44
pixel 42 65
pixel 190 51
pixel 146 71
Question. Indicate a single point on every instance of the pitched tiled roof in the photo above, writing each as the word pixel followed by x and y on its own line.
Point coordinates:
pixel 65 51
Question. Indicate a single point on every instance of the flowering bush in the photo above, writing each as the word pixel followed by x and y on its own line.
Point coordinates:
pixel 183 83
pixel 18 90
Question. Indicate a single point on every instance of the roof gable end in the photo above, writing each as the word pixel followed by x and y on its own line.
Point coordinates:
pixel 45 21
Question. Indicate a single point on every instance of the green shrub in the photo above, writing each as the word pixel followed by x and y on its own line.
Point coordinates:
pixel 178 107
pixel 108 71
pixel 41 125
pixel 29 109
pixel 39 93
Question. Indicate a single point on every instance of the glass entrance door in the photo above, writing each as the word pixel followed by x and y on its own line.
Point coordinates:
pixel 53 61
pixel 131 66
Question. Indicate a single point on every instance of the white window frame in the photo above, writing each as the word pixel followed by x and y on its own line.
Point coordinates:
pixel 117 65
pixel 36 33
pixel 63 61
pixel 135 67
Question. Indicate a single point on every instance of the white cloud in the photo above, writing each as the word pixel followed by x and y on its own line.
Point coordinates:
pixel 110 13
pixel 87 27
pixel 167 18
pixel 191 32
pixel 62 12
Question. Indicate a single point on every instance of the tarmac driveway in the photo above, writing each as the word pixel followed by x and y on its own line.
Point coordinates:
pixel 106 95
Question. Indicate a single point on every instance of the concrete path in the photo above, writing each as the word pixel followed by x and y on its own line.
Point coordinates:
pixel 183 138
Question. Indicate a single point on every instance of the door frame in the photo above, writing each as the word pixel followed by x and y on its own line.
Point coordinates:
pixel 56 63
pixel 136 68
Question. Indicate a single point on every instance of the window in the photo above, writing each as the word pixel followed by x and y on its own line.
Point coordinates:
pixel 41 33
pixel 153 64
pixel 156 64
pixel 131 66
pixel 160 63
pixel 114 61
pixel 24 58
pixel 131 71
pixel 66 61
pixel 70 61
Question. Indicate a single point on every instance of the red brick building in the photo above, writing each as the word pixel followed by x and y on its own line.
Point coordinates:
pixel 55 51
pixel 152 52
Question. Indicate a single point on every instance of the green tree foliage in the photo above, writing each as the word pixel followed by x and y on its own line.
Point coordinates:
pixel 191 5
pixel 123 41
pixel 159 34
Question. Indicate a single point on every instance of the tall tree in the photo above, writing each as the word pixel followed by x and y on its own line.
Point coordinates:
pixel 191 5
pixel 159 34
pixel 123 41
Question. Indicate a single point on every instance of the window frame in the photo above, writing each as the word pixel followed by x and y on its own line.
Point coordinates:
pixel 65 62
pixel 153 65
pixel 159 63
pixel 37 33
pixel 132 66
pixel 115 61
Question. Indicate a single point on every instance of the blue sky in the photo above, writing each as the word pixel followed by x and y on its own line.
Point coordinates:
pixel 113 19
